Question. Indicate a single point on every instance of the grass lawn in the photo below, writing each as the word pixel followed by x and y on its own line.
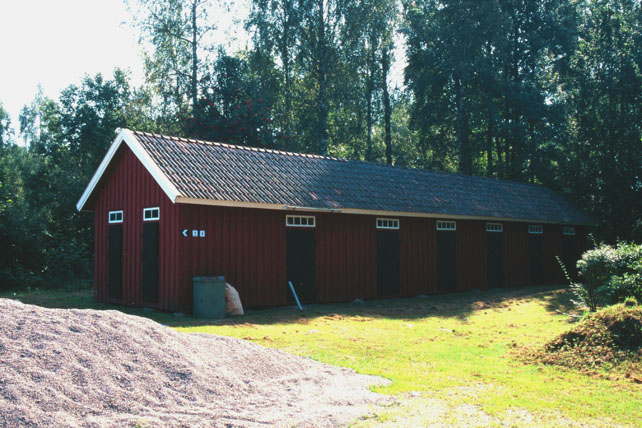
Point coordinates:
pixel 453 359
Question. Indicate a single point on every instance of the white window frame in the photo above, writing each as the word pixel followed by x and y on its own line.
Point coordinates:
pixel 568 231
pixel 535 229
pixel 494 227
pixel 151 210
pixel 446 225
pixel 388 223
pixel 300 221
pixel 115 220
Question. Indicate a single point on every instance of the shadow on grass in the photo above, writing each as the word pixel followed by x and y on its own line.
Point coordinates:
pixel 457 305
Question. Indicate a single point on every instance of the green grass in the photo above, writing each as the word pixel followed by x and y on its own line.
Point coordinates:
pixel 456 351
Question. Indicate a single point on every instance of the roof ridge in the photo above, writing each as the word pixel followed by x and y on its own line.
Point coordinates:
pixel 354 161
pixel 239 147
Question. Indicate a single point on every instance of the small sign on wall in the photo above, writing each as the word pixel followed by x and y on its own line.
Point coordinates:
pixel 195 233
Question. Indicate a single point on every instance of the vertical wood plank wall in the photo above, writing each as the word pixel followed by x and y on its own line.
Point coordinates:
pixel 247 246
pixel 129 187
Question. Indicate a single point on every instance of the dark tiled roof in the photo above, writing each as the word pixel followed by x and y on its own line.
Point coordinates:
pixel 214 171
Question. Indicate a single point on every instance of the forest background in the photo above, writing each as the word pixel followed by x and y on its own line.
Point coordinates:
pixel 547 92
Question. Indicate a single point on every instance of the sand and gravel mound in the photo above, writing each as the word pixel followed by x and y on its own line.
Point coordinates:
pixel 107 369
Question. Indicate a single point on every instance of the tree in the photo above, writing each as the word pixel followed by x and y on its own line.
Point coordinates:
pixel 5 127
pixel 176 30
pixel 368 35
pixel 484 79
pixel 21 228
pixel 275 24
pixel 444 74
pixel 66 141
pixel 602 166
pixel 236 107
pixel 319 57
pixel 537 42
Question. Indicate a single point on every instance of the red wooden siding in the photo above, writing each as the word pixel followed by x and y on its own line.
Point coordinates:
pixel 129 187
pixel 247 246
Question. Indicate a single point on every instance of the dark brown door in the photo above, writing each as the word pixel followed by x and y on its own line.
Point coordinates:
pixel 115 260
pixel 569 255
pixel 301 264
pixel 388 282
pixel 536 259
pixel 150 263
pixel 447 260
pixel 495 261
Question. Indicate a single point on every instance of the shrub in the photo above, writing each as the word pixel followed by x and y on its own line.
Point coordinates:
pixel 626 286
pixel 611 275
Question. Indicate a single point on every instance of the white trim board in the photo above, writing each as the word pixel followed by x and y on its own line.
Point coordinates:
pixel 127 136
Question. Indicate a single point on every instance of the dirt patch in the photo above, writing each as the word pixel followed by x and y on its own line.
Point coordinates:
pixel 104 368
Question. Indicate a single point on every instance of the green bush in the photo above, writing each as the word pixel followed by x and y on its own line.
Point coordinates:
pixel 610 274
pixel 625 286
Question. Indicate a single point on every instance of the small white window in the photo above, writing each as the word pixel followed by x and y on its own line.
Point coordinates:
pixel 567 230
pixel 494 227
pixel 446 225
pixel 115 216
pixel 387 223
pixel 299 220
pixel 535 230
pixel 150 214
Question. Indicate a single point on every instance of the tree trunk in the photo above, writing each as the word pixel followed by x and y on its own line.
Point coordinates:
pixel 465 160
pixel 285 60
pixel 194 60
pixel 369 91
pixel 489 142
pixel 385 68
pixel 322 78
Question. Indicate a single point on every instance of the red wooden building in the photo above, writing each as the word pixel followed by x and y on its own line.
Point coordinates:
pixel 168 209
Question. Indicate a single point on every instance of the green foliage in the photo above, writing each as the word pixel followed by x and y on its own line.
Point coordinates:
pixel 5 127
pixel 20 230
pixel 585 293
pixel 482 97
pixel 626 286
pixel 611 275
pixel 175 33
pixel 44 241
pixel 540 91
pixel 626 281
pixel 602 163
pixel 235 107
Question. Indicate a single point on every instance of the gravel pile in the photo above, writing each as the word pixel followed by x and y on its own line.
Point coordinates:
pixel 104 368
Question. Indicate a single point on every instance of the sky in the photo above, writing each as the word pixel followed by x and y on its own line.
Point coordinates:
pixel 54 43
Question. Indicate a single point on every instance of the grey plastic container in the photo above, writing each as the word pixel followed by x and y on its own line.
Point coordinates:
pixel 209 296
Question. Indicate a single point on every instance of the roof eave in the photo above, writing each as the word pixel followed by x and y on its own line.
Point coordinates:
pixel 126 136
pixel 285 207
